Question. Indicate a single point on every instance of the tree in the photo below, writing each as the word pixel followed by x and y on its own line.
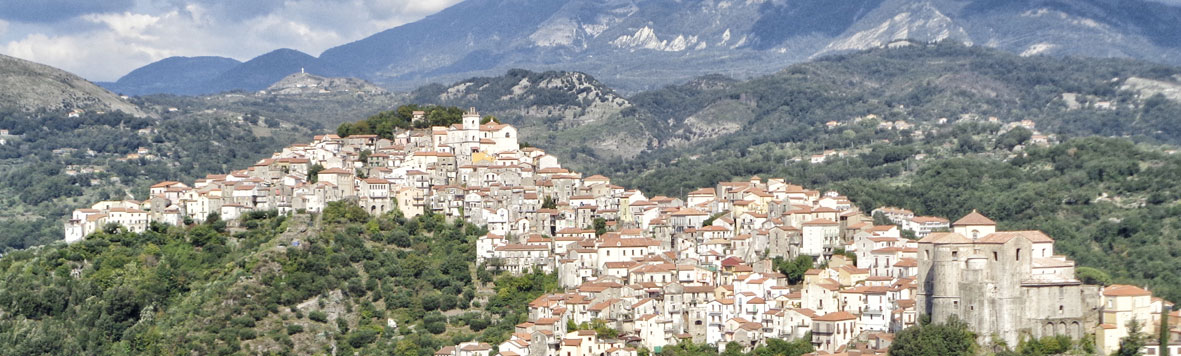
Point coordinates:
pixel 314 173
pixel 710 221
pixel 777 347
pixel 549 203
pixel 345 211
pixel 1130 345
pixel 733 348
pixel 1164 326
pixel 600 225
pixel 950 338
pixel 1090 275
pixel 794 269
pixel 1017 136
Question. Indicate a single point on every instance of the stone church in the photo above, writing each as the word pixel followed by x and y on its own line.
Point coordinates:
pixel 1003 283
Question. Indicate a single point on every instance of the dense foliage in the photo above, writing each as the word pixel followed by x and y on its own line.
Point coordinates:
pixel 947 339
pixel 402 118
pixel 54 163
pixel 264 288
pixel 773 347
pixel 1050 345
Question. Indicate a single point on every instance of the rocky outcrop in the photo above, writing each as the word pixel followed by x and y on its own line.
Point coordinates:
pixel 307 84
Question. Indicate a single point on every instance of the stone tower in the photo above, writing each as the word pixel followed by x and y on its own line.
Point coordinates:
pixel 471 121
pixel 1006 283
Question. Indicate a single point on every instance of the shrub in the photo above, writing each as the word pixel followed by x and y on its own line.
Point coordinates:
pixel 362 337
pixel 318 316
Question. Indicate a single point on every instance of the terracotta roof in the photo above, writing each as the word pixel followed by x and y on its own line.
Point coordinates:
pixel 335 171
pixel 928 219
pixel 165 184
pixel 821 222
pixel 1123 290
pixel 836 316
pixel 1004 236
pixel 688 212
pixel 907 262
pixel 945 238
pixel 629 242
pixel 974 219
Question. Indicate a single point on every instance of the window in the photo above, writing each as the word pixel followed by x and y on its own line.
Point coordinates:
pixel 1061 309
pixel 1018 254
pixel 955 255
pixel 995 256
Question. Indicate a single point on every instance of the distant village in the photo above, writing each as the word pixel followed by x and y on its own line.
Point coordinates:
pixel 670 270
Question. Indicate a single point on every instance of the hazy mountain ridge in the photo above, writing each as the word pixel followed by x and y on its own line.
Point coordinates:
pixel 174 75
pixel 638 45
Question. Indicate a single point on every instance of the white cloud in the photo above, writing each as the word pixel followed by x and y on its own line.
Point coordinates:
pixel 1169 2
pixel 103 46
pixel 128 24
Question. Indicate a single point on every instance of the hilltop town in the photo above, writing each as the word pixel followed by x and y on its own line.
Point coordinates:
pixel 659 271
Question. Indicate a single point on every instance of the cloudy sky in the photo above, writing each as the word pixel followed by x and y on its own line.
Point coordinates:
pixel 103 39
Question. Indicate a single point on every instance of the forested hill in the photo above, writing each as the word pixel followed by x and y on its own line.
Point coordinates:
pixel 917 84
pixel 342 282
pixel 52 163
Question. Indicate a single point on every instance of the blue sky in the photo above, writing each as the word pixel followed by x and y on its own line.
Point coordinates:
pixel 103 39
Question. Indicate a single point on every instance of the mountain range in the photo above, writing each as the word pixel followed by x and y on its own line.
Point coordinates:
pixel 573 113
pixel 638 45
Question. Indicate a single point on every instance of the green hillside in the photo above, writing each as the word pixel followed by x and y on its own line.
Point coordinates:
pixel 301 284
pixel 52 164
